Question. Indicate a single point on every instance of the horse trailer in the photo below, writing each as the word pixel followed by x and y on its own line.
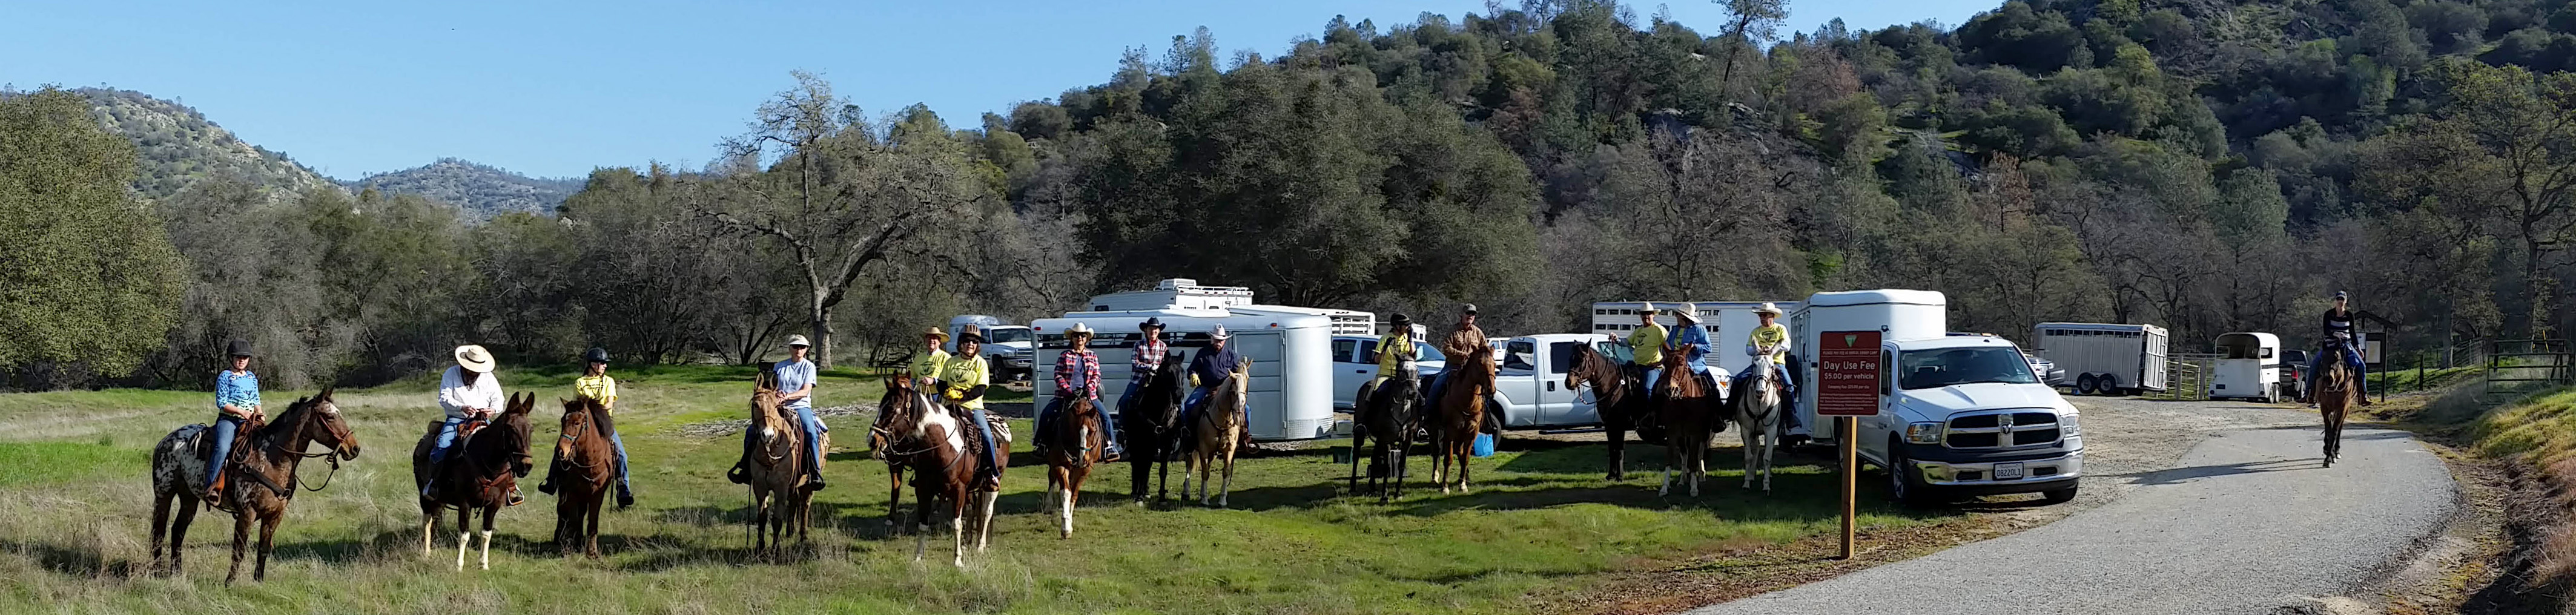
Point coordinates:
pixel 1897 315
pixel 2251 366
pixel 1730 324
pixel 2105 358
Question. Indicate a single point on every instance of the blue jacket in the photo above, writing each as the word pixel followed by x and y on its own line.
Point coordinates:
pixel 1692 342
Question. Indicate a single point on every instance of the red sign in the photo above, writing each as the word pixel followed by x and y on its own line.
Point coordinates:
pixel 1847 374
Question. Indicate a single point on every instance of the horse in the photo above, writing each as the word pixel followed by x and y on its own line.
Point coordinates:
pixel 262 471
pixel 1073 444
pixel 1217 431
pixel 2336 395
pixel 898 402
pixel 1619 391
pixel 1687 416
pixel 479 473
pixel 1153 427
pixel 932 439
pixel 1461 413
pixel 775 468
pixel 1388 414
pixel 585 467
pixel 1757 405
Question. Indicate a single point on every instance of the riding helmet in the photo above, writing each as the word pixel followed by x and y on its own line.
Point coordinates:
pixel 595 355
pixel 237 348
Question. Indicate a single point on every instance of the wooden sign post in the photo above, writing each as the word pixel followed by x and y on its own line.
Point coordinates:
pixel 1847 387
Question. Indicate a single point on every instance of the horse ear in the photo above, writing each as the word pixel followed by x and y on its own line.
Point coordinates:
pixel 326 394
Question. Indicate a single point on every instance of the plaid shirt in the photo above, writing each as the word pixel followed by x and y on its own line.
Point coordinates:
pixel 1080 360
pixel 1149 355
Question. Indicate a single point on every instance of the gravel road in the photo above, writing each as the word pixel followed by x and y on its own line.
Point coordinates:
pixel 2188 508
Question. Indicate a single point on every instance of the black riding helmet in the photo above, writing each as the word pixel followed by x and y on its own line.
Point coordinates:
pixel 595 355
pixel 237 348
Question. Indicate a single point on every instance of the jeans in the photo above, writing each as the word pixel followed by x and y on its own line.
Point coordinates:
pixel 813 440
pixel 992 455
pixel 1439 383
pixel 617 443
pixel 446 441
pixel 225 429
pixel 2350 358
pixel 1108 425
pixel 1789 403
pixel 1190 406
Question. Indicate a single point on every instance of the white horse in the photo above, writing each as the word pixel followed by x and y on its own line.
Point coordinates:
pixel 1757 411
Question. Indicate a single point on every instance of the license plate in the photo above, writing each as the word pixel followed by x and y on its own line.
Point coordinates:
pixel 2008 471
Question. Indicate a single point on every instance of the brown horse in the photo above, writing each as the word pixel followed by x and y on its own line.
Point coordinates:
pixel 1619 392
pixel 262 474
pixel 2336 395
pixel 774 468
pixel 1217 431
pixel 899 404
pixel 935 441
pixel 585 467
pixel 1461 413
pixel 1074 443
pixel 479 473
pixel 1689 415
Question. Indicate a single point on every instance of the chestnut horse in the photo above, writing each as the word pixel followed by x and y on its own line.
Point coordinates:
pixel 262 474
pixel 1073 444
pixel 933 439
pixel 585 467
pixel 479 473
pixel 1153 427
pixel 1218 430
pixel 774 468
pixel 1689 414
pixel 1619 391
pixel 1461 413
pixel 2336 395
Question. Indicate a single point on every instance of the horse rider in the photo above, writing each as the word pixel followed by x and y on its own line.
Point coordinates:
pixel 1463 339
pixel 962 381
pixel 595 385
pixel 795 377
pixel 1211 367
pixel 1646 347
pixel 1148 358
pixel 468 391
pixel 1397 352
pixel 2341 339
pixel 1691 341
pixel 236 405
pixel 924 368
pixel 1077 375
pixel 1772 338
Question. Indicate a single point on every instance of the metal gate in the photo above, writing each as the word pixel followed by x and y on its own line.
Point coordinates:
pixel 2187 375
pixel 2155 372
pixel 2517 367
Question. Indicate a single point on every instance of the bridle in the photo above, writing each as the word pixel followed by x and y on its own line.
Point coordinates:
pixel 573 439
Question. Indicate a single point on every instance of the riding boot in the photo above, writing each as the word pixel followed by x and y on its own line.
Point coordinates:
pixel 741 467
pixel 625 497
pixel 548 487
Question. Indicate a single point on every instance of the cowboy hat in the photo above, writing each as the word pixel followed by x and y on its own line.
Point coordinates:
pixel 474 359
pixel 1650 310
pixel 1219 333
pixel 595 355
pixel 798 340
pixel 237 349
pixel 1767 308
pixel 975 338
pixel 1687 311
pixel 1150 323
pixel 935 332
pixel 1078 329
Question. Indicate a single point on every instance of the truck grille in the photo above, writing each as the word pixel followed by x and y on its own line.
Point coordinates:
pixel 1992 430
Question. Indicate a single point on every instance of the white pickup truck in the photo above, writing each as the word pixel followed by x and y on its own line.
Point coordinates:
pixel 1964 416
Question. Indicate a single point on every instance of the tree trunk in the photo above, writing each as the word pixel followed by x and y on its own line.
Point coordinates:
pixel 822 332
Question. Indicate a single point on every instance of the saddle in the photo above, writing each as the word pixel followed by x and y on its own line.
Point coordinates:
pixel 204 442
pixel 989 474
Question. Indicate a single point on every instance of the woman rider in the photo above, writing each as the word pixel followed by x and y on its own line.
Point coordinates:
pixel 1077 372
pixel 1396 353
pixel 962 382
pixel 2341 340
pixel 594 384
pixel 236 403
pixel 1772 338
pixel 467 391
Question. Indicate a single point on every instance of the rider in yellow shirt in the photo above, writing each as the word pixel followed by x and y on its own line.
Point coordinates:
pixel 1773 338
pixel 1396 351
pixel 1646 346
pixel 926 367
pixel 962 382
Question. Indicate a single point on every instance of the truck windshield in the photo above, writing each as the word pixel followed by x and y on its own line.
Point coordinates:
pixel 999 336
pixel 1932 369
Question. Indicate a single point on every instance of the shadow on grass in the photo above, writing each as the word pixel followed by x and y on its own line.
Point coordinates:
pixel 70 561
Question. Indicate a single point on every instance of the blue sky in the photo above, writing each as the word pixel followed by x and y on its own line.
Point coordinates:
pixel 559 88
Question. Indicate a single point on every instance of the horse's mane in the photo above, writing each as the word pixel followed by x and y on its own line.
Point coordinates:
pixel 512 422
pixel 290 422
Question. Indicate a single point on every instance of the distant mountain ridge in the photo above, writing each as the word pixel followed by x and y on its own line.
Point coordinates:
pixel 177 147
pixel 483 191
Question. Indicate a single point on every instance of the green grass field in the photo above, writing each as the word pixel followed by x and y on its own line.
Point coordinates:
pixel 1542 527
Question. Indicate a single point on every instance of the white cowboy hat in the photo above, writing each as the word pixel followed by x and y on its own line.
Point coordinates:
pixel 798 340
pixel 1078 329
pixel 1767 308
pixel 935 332
pixel 1650 310
pixel 1687 311
pixel 1219 333
pixel 474 359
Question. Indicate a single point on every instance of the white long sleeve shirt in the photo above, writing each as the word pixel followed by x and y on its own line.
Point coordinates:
pixel 455 396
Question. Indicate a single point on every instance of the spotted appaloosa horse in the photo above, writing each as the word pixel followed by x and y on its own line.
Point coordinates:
pixel 262 476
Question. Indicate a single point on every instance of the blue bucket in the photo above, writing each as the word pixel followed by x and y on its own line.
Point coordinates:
pixel 1484 446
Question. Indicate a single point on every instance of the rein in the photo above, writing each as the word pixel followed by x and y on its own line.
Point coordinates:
pixel 575 439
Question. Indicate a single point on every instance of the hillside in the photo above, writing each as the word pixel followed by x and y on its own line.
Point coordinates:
pixel 177 147
pixel 482 191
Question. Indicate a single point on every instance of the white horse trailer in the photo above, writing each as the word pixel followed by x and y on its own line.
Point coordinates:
pixel 1291 393
pixel 2105 358
pixel 2249 367
pixel 1896 314
pixel 1730 324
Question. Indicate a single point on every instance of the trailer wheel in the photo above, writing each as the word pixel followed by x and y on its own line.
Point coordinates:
pixel 2084 384
pixel 2109 385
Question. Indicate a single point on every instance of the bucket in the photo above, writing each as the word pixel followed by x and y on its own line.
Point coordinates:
pixel 1484 446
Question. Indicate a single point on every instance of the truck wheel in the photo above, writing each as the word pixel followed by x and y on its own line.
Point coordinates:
pixel 1901 484
pixel 2084 384
pixel 2058 496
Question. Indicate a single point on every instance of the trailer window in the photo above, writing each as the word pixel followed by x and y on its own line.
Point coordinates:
pixel 1932 369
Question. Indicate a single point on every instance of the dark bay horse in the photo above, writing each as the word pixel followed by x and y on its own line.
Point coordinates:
pixel 934 441
pixel 1460 413
pixel 2336 394
pixel 774 468
pixel 1073 444
pixel 585 467
pixel 1619 392
pixel 262 476
pixel 1689 415
pixel 1388 415
pixel 1153 426
pixel 477 475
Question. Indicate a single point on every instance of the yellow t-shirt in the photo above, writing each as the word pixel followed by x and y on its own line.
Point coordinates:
pixel 1393 350
pixel 964 373
pixel 927 365
pixel 600 387
pixel 1647 343
pixel 1776 336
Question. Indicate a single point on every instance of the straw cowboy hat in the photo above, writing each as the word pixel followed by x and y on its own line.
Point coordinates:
pixel 1220 333
pixel 937 333
pixel 1078 329
pixel 1688 312
pixel 474 359
pixel 1767 308
pixel 1650 310
pixel 798 340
